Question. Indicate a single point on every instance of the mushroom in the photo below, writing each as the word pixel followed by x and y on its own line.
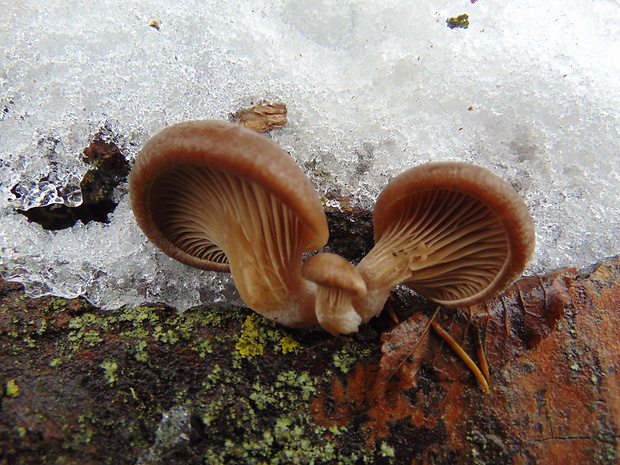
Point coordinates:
pixel 220 197
pixel 453 232
pixel 338 282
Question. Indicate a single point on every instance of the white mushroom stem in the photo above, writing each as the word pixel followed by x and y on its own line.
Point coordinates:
pixel 382 270
pixel 278 292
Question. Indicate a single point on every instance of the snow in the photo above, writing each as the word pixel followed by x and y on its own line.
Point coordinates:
pixel 531 90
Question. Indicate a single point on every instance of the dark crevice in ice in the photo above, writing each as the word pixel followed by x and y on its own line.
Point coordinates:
pixel 109 168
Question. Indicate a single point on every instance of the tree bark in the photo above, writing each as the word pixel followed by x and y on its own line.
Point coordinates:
pixel 149 385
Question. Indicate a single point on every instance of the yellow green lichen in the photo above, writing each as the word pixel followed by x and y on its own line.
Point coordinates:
pixel 139 315
pixel 82 332
pixel 288 344
pixel 258 333
pixel 42 327
pixel 30 342
pixel 255 408
pixel 219 317
pixel 141 355
pixel 290 437
pixel 251 342
pixel 166 336
pixel 12 389
pixel 203 347
pixel 346 358
pixel 110 368
pixel 57 303
pixel 387 451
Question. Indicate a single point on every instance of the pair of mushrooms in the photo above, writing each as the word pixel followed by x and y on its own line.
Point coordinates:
pixel 220 197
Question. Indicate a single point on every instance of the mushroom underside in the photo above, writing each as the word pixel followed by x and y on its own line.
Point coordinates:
pixel 445 244
pixel 221 218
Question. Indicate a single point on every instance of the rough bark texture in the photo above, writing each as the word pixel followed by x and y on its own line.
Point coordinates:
pixel 148 385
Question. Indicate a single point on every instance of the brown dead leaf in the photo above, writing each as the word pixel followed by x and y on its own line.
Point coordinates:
pixel 521 317
pixel 508 325
pixel 554 352
pixel 403 349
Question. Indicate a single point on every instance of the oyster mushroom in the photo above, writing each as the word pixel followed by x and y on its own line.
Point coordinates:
pixel 338 282
pixel 220 197
pixel 453 232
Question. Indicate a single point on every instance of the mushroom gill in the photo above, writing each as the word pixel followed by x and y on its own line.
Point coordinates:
pixel 244 227
pixel 219 197
pixel 454 232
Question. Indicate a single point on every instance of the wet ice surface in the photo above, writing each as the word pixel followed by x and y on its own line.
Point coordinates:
pixel 530 90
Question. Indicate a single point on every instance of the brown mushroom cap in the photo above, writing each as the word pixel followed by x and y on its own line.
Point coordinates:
pixel 220 197
pixel 188 168
pixel 466 233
